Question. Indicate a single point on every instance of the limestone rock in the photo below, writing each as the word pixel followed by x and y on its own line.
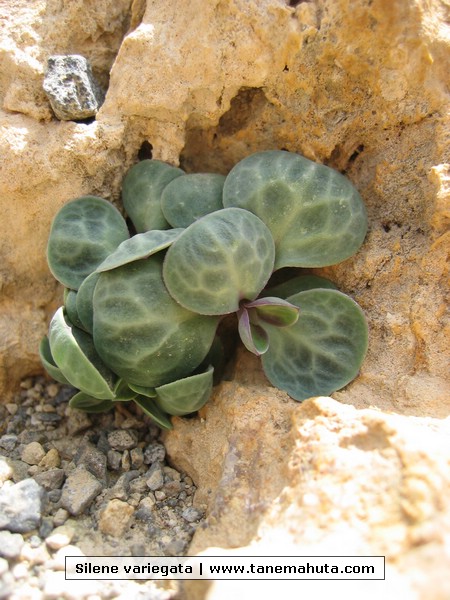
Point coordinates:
pixel 350 482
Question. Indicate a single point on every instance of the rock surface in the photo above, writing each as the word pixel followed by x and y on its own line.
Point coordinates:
pixel 360 86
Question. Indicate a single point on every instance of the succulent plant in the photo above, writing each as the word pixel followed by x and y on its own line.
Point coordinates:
pixel 142 314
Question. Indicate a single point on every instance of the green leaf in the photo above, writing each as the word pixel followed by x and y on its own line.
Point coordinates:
pixel 70 306
pixel 86 403
pixel 85 299
pixel 49 363
pixel 323 351
pixel 316 216
pixel 253 336
pixel 152 410
pixel 187 198
pixel 74 353
pixel 186 395
pixel 123 392
pixel 149 392
pixel 221 259
pixel 141 193
pixel 299 283
pixel 274 311
pixel 83 233
pixel 140 332
pixel 138 247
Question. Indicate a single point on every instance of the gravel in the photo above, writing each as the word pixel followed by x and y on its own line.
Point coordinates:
pixel 79 484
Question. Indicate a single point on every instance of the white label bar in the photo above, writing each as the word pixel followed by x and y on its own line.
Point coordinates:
pixel 225 567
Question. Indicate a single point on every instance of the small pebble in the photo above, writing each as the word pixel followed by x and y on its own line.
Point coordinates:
pixel 123 439
pixel 79 491
pixel 154 453
pixel 155 477
pixel 60 517
pixel 115 518
pixel 21 506
pixel 137 458
pixel 51 460
pixel 192 514
pixel 114 459
pixel 32 453
pixel 60 537
pixel 10 544
pixel 8 442
pixel 6 471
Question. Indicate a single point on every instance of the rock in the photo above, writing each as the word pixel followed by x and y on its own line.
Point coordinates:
pixel 21 506
pixel 375 480
pixel 137 458
pixel 192 514
pixel 51 460
pixel 6 471
pixel 32 453
pixel 8 442
pixel 71 88
pixel 115 518
pixel 122 439
pixel 61 536
pixel 114 460
pixel 51 479
pixel 155 477
pixel 154 452
pixel 92 459
pixel 10 544
pixel 79 491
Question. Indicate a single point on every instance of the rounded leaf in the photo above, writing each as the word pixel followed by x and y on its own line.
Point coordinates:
pixel 219 260
pixel 140 332
pixel 299 283
pixel 86 403
pixel 186 199
pixel 141 193
pixel 139 246
pixel 315 214
pixel 187 395
pixel 49 363
pixel 83 233
pixel 322 351
pixel 74 353
pixel 152 410
pixel 70 306
pixel 85 298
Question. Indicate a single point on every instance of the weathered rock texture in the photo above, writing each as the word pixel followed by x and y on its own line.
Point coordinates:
pixel 359 85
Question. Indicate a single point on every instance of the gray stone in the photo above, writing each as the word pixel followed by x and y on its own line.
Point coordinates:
pixel 50 480
pixel 10 544
pixel 137 458
pixel 71 88
pixel 79 491
pixel 8 442
pixel 154 453
pixel 92 459
pixel 121 488
pixel 155 477
pixel 192 514
pixel 114 460
pixel 21 506
pixel 123 439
